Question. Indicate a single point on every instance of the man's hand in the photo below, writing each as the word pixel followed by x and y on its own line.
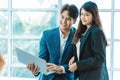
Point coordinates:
pixel 34 69
pixel 53 67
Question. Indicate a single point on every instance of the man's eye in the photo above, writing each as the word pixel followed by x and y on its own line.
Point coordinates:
pixel 69 19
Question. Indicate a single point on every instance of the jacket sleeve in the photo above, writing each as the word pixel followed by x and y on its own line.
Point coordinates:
pixel 43 50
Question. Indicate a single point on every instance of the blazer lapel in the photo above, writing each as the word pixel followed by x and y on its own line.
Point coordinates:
pixel 83 39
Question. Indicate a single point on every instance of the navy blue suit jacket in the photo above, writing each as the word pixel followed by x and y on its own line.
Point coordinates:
pixel 50 51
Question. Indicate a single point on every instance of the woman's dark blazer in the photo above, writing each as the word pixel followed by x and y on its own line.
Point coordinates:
pixel 92 58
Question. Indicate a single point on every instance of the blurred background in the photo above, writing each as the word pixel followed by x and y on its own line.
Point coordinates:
pixel 23 21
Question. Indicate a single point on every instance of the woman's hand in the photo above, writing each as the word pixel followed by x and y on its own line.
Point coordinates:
pixel 71 60
pixel 72 67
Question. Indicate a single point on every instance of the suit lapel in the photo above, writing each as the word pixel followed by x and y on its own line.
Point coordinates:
pixel 83 39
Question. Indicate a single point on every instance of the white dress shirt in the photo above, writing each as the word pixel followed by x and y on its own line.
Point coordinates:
pixel 78 45
pixel 63 41
pixel 78 49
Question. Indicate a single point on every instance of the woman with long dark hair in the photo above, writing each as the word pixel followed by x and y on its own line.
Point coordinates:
pixel 89 62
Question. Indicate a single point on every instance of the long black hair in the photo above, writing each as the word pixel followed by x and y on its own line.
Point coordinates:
pixel 92 8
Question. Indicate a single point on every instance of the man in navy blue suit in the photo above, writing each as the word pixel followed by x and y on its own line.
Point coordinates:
pixel 56 46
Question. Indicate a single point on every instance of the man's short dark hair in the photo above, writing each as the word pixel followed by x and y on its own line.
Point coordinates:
pixel 72 9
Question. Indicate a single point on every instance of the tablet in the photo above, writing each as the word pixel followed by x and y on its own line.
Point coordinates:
pixel 27 58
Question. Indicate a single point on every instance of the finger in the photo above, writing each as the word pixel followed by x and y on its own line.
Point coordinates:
pixel 36 70
pixel 49 64
pixel 70 70
pixel 28 66
pixel 70 63
pixel 32 66
pixel 50 67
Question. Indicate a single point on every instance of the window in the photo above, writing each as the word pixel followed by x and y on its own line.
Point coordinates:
pixel 21 25
pixel 23 21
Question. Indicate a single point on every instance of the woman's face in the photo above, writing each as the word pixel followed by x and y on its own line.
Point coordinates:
pixel 66 21
pixel 86 18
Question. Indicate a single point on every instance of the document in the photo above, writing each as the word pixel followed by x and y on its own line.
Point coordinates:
pixel 27 58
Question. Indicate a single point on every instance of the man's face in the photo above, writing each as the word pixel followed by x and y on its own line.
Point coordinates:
pixel 66 21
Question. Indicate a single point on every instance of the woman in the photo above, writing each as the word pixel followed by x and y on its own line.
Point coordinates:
pixel 1 62
pixel 89 62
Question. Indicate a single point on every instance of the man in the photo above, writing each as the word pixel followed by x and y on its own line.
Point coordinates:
pixel 56 46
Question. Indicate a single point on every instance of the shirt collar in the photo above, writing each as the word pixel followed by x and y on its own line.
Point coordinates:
pixel 61 34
